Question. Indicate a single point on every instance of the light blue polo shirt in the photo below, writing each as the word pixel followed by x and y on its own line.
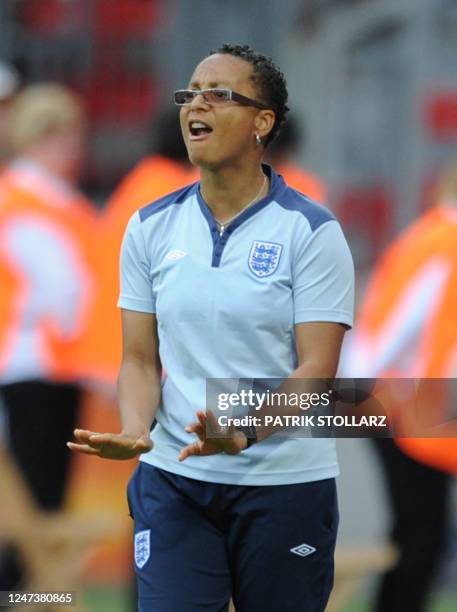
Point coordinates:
pixel 226 306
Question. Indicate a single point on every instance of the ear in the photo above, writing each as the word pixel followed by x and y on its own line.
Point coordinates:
pixel 264 122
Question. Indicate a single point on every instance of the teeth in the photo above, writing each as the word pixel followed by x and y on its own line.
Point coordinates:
pixel 196 125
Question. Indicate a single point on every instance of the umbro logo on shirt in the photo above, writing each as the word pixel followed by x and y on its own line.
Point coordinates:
pixel 303 550
pixel 175 255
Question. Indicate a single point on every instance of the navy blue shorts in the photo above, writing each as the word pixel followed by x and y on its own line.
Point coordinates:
pixel 197 544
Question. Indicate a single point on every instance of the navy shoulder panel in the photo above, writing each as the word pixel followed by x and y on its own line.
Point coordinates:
pixel 315 213
pixel 176 197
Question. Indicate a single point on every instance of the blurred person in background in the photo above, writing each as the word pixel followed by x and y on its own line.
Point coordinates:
pixel 46 284
pixel 165 169
pixel 281 155
pixel 407 328
pixel 9 84
pixel 206 294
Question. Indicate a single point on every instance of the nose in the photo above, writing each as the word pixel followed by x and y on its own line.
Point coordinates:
pixel 199 102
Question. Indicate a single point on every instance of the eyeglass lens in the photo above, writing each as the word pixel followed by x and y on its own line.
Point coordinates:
pixel 213 96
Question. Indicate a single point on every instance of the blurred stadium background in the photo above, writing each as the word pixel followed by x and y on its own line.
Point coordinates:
pixel 373 85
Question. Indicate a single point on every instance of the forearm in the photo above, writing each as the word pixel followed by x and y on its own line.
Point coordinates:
pixel 139 392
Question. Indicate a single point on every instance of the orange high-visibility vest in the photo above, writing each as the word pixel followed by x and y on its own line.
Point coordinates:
pixel 151 179
pixel 407 326
pixel 441 360
pixel 403 297
pixel 306 182
pixel 46 275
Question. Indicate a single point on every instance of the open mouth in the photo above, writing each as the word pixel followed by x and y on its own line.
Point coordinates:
pixel 198 130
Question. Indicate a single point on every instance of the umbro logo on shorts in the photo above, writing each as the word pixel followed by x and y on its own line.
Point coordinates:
pixel 175 255
pixel 303 550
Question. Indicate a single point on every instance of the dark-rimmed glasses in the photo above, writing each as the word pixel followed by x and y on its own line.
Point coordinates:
pixel 183 97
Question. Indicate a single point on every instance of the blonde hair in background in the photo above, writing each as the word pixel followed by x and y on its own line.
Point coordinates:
pixel 40 111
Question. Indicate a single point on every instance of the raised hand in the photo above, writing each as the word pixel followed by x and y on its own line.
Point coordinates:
pixel 110 446
pixel 207 428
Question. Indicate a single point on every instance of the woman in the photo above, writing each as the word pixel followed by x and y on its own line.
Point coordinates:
pixel 236 276
pixel 394 339
pixel 46 289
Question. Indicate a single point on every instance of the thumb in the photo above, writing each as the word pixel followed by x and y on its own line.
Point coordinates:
pixel 144 443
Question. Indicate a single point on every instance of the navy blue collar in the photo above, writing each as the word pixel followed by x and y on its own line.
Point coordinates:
pixel 277 186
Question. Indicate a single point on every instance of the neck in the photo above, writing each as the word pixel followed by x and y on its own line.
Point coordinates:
pixel 229 190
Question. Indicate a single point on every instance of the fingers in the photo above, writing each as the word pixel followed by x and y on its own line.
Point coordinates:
pixel 101 438
pixel 99 442
pixel 82 448
pixel 206 425
pixel 109 445
pixel 191 449
pixel 202 418
pixel 213 425
pixel 193 427
pixel 218 431
pixel 83 435
pixel 198 427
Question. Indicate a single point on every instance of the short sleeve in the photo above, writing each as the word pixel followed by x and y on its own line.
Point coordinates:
pixel 136 283
pixel 323 277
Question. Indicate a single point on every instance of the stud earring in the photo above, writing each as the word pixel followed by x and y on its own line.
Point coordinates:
pixel 258 139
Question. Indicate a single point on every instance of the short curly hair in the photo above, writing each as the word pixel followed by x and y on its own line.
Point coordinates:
pixel 268 79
